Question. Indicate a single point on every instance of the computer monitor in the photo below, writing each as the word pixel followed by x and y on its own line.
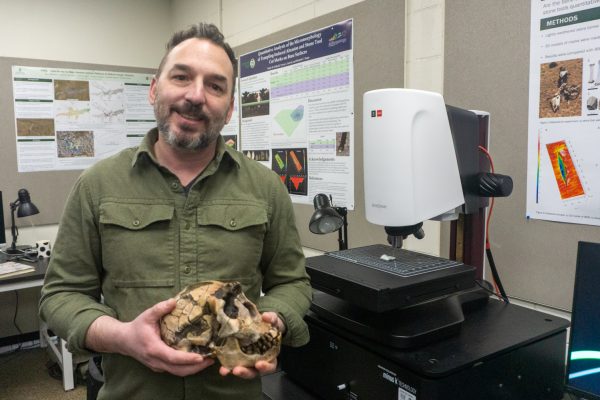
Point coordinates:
pixel 583 364
pixel 2 229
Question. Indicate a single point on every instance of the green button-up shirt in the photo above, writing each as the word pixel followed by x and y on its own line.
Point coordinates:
pixel 131 233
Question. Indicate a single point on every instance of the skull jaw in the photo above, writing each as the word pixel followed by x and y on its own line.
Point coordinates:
pixel 231 355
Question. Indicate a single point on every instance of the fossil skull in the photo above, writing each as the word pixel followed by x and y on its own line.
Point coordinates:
pixel 216 319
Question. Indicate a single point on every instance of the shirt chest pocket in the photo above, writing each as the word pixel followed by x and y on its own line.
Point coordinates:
pixel 233 233
pixel 138 244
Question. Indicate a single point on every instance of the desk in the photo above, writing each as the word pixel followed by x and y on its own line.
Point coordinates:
pixel 57 345
pixel 24 281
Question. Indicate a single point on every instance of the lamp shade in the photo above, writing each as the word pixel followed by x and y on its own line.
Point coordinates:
pixel 26 207
pixel 325 219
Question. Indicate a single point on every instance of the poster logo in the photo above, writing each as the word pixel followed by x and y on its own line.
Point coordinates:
pixel 337 38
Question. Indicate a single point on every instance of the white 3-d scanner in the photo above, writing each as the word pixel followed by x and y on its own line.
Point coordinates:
pixel 410 165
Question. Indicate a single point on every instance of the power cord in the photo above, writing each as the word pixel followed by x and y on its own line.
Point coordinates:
pixel 29 254
pixel 488 250
pixel 20 346
pixel 487 286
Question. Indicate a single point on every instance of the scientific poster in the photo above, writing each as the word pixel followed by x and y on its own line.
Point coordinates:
pixel 563 175
pixel 231 131
pixel 68 119
pixel 297 112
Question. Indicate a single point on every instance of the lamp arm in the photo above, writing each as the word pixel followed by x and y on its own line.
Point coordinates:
pixel 13 226
pixel 343 231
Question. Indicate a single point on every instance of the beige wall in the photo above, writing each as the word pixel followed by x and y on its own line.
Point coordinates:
pixel 118 32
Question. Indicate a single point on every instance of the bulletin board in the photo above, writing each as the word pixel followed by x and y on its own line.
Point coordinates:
pixel 487 68
pixel 49 189
pixel 378 63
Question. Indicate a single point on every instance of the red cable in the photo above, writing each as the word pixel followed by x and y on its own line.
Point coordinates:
pixel 489 216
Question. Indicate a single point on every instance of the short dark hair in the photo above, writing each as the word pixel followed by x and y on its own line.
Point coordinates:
pixel 200 30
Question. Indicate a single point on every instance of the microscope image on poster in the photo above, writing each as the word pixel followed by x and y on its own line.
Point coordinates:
pixel 565 173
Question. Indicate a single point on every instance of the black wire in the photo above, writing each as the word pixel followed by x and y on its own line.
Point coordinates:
pixel 14 353
pixel 17 312
pixel 487 289
pixel 20 346
pixel 488 252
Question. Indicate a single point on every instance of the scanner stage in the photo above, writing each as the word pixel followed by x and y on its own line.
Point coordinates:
pixel 350 276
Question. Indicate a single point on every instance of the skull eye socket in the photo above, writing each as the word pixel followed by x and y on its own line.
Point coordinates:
pixel 251 309
pixel 230 309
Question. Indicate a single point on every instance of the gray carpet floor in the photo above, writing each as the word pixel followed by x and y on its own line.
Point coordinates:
pixel 24 376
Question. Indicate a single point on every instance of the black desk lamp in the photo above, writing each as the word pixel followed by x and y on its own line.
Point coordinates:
pixel 24 208
pixel 327 219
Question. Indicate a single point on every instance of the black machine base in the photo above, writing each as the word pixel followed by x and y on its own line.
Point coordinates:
pixel 502 352
pixel 403 328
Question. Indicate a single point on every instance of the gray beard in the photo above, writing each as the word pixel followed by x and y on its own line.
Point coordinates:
pixel 213 129
pixel 187 143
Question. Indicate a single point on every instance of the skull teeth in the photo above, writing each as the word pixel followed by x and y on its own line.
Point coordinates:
pixel 261 346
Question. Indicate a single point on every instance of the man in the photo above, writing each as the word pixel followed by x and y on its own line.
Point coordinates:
pixel 179 209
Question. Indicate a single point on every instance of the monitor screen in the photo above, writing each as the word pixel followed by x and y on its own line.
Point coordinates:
pixel 2 229
pixel 583 365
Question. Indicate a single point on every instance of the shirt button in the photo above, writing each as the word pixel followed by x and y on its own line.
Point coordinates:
pixel 233 223
pixel 136 222
pixel 187 225
pixel 187 269
pixel 174 185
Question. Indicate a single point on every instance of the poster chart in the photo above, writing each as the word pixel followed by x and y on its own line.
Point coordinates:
pixel 68 119
pixel 231 131
pixel 297 112
pixel 563 174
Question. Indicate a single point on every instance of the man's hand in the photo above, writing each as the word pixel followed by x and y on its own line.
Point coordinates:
pixel 261 367
pixel 140 339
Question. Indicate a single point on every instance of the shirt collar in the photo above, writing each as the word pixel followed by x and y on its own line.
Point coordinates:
pixel 147 147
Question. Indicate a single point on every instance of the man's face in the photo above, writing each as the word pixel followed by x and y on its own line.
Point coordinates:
pixel 192 95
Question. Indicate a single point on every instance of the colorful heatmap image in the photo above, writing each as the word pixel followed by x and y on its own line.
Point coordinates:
pixel 567 178
pixel 290 165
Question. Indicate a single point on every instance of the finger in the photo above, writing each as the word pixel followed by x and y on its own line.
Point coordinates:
pixel 266 367
pixel 179 357
pixel 274 320
pixel 243 372
pixel 270 317
pixel 155 312
pixel 186 370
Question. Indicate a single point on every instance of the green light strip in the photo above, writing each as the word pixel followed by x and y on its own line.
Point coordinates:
pixel 585 355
